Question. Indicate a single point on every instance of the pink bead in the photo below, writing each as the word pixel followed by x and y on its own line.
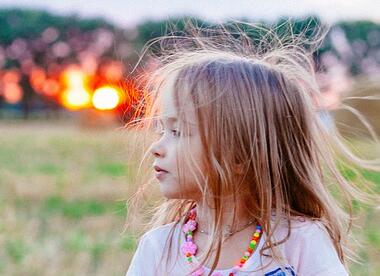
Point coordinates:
pixel 190 247
pixel 247 254
pixel 190 225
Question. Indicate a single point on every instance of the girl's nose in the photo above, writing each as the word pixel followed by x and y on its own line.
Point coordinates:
pixel 157 150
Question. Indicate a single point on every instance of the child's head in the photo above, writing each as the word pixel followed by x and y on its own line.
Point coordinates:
pixel 243 125
pixel 246 132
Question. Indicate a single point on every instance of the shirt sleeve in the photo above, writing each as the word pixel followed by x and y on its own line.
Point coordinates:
pixel 143 260
pixel 318 255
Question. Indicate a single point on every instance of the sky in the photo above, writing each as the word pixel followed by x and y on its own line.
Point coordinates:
pixel 127 13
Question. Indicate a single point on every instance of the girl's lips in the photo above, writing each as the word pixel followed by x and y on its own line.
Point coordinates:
pixel 160 174
pixel 157 168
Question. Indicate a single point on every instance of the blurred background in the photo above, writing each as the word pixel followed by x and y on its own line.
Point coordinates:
pixel 67 84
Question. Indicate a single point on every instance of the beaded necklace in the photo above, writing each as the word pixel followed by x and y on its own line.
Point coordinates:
pixel 189 248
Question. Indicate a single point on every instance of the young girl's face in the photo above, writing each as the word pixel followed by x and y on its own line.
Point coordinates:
pixel 166 148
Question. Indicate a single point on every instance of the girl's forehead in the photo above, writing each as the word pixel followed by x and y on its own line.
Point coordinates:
pixel 169 110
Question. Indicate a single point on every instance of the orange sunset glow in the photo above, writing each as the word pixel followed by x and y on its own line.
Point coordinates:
pixel 76 96
pixel 106 98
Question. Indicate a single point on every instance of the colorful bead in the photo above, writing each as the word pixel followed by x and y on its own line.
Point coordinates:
pixel 190 225
pixel 252 244
pixel 189 248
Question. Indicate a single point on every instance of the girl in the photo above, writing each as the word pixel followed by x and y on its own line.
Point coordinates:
pixel 242 160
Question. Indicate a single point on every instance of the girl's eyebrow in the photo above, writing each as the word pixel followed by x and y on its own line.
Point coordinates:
pixel 170 119
pixel 173 120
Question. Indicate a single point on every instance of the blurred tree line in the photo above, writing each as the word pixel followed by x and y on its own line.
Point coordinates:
pixel 35 38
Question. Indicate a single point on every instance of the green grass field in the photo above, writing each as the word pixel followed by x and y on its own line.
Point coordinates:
pixel 62 205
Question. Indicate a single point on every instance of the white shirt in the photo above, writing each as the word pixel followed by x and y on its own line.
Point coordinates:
pixel 308 251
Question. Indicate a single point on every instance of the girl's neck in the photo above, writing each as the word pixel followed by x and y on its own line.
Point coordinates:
pixel 206 214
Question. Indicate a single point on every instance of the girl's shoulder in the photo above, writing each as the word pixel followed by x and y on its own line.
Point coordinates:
pixel 308 247
pixel 309 227
pixel 298 226
pixel 302 235
pixel 158 235
pixel 151 247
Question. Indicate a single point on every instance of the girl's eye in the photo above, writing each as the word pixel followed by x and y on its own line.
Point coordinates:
pixel 176 132
pixel 160 131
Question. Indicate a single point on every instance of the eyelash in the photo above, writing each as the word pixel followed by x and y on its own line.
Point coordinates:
pixel 160 131
pixel 178 132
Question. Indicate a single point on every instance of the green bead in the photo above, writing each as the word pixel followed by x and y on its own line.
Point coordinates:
pixel 245 257
pixel 189 259
pixel 251 245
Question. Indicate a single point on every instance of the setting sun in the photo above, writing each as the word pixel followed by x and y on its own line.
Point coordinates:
pixel 106 98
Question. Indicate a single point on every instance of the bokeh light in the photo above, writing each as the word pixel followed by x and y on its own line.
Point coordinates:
pixel 106 98
pixel 76 96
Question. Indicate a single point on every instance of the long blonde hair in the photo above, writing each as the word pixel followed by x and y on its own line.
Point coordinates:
pixel 254 102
